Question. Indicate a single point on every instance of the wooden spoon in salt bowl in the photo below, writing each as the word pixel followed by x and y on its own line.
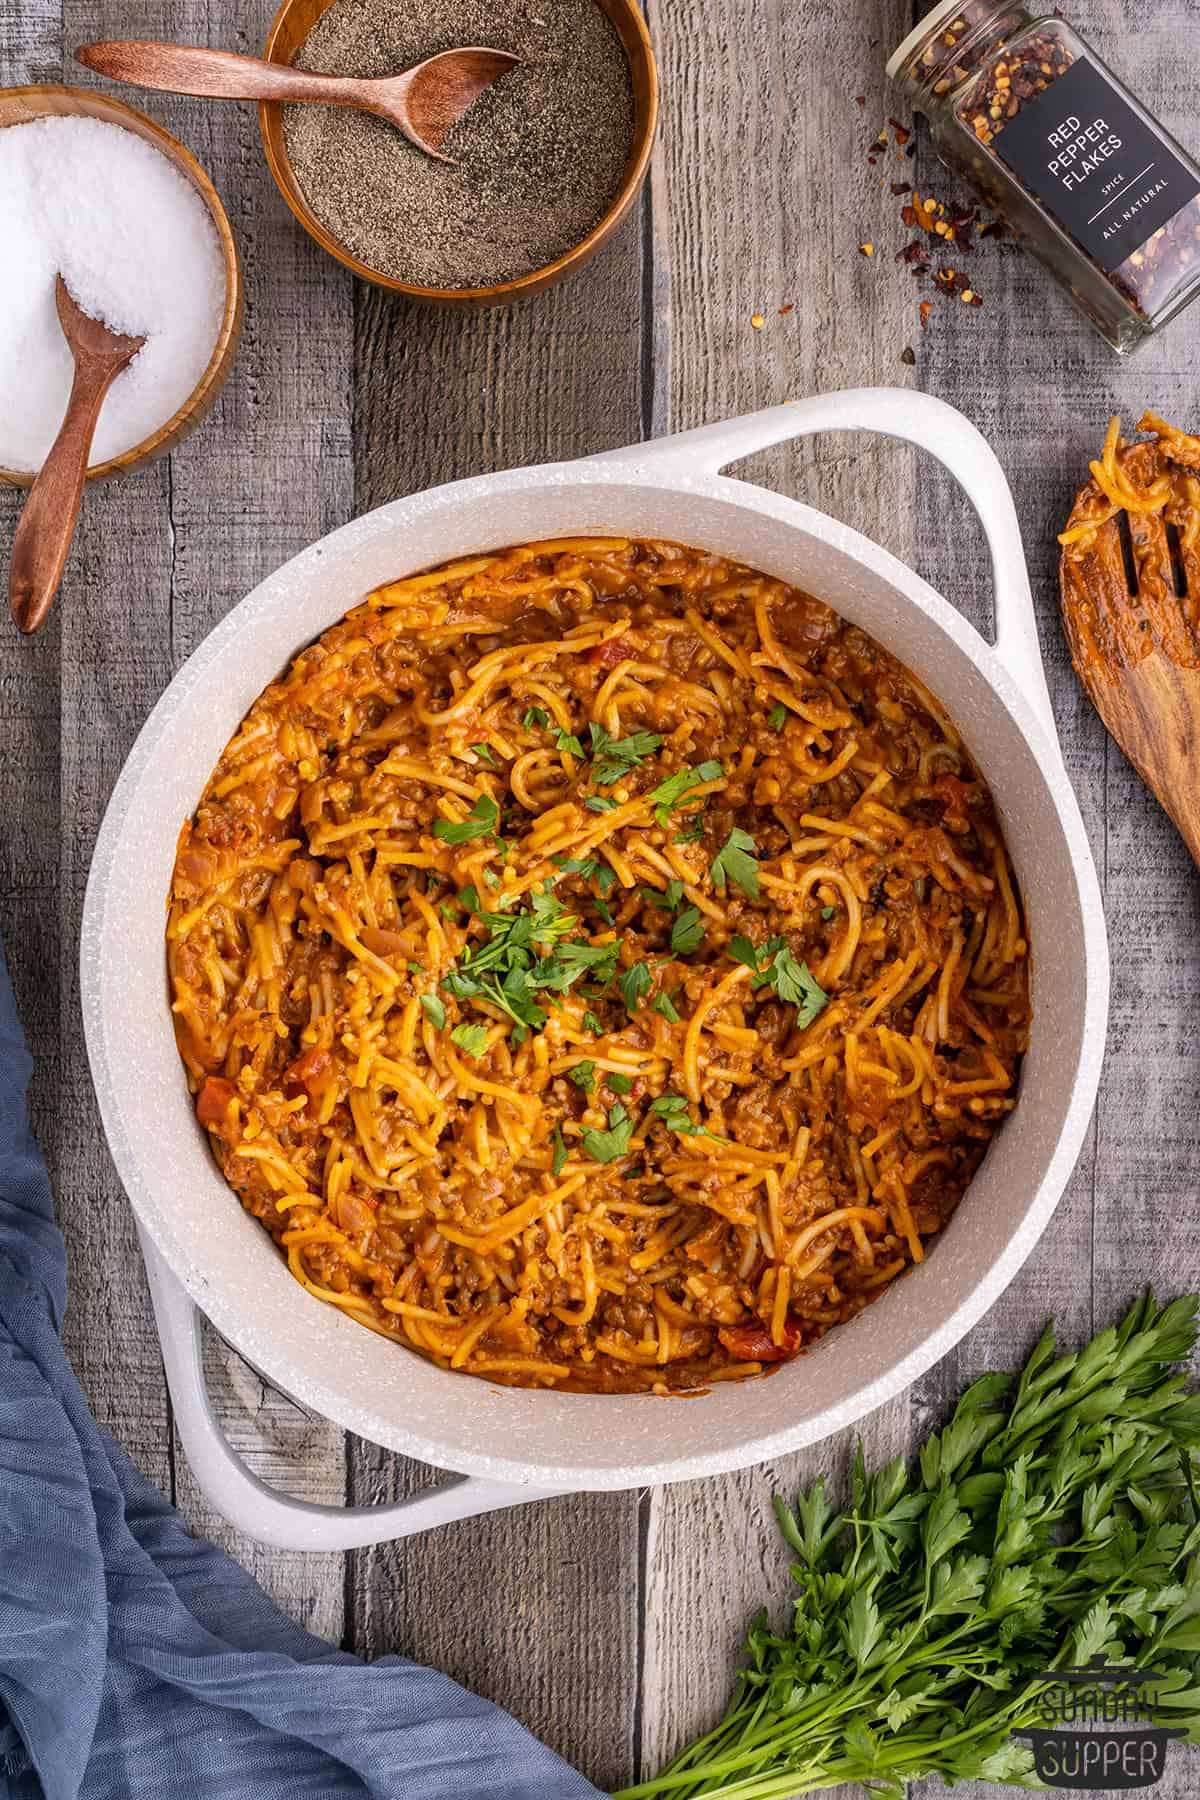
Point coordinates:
pixel 424 103
pixel 47 523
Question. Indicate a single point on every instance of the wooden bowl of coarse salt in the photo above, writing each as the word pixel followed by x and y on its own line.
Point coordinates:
pixel 544 166
pixel 137 235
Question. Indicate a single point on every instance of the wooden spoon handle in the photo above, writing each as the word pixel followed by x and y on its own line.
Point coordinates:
pixel 219 74
pixel 47 525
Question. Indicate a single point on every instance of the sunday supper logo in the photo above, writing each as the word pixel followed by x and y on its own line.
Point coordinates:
pixel 1099 1729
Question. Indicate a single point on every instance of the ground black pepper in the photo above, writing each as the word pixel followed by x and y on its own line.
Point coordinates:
pixel 540 156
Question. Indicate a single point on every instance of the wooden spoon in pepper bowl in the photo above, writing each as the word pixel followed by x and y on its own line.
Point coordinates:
pixel 424 103
pixel 47 523
pixel 1129 580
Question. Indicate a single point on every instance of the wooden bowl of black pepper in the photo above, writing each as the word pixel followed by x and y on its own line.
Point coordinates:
pixel 546 164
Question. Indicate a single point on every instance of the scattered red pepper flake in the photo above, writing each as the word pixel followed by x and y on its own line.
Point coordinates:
pixel 860 99
pixel 899 131
pixel 790 307
pixel 866 249
pixel 925 308
pixel 902 187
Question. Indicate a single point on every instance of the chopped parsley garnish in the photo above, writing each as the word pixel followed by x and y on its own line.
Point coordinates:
pixel 775 966
pixel 616 756
pixel 537 718
pixel 591 1023
pixel 481 821
pixel 492 879
pixel 687 931
pixel 598 803
pixel 484 753
pixel 667 898
pixel 472 1039
pixel 584 1076
pixel 827 912
pixel 448 909
pixel 691 834
pixel 632 983
pixel 604 911
pixel 560 1152
pixel 606 1146
pixel 523 956
pixel 672 1109
pixel 671 792
pixel 735 862
pixel 777 716
pixel 591 869
pixel 663 1003
pixel 568 743
pixel 620 1084
pixel 434 1010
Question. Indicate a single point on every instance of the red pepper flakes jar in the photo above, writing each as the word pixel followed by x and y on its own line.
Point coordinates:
pixel 1055 145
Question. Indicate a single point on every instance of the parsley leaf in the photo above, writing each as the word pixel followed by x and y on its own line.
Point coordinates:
pixel 606 1146
pixel 591 1023
pixel 795 983
pixel 599 803
pixel 481 821
pixel 583 1075
pixel 827 912
pixel 537 718
pixel 668 898
pixel 484 753
pixel 560 1152
pixel 670 793
pixel 777 716
pixel 472 1039
pixel 775 966
pixel 568 744
pixel 735 862
pixel 687 931
pixel 691 834
pixel 434 1010
pixel 620 1084
pixel 632 983
pixel 672 1109
pixel 619 755
pixel 663 1003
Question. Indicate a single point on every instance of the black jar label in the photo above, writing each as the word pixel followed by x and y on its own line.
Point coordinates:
pixel 1095 164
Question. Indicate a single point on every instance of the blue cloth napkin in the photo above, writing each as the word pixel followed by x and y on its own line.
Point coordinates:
pixel 137 1662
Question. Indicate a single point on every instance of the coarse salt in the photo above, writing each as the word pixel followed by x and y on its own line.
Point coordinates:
pixel 137 248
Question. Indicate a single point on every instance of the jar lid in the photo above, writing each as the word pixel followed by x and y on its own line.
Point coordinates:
pixel 945 9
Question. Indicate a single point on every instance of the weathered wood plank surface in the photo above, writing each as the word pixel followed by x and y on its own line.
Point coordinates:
pixel 609 1624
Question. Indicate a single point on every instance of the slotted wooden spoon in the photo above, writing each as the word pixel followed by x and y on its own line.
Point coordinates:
pixel 1129 582
pixel 424 103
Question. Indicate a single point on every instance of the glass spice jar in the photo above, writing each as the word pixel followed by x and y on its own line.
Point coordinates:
pixel 1060 151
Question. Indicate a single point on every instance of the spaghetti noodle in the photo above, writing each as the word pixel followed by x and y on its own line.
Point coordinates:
pixel 598 966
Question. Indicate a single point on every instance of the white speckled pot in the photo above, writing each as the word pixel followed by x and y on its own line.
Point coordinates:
pixel 514 1444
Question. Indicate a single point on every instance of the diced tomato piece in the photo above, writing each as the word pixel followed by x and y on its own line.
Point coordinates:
pixel 754 1343
pixel 306 1072
pixel 212 1101
pixel 954 795
pixel 609 654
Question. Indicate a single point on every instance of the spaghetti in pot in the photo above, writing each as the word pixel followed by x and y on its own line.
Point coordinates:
pixel 598 966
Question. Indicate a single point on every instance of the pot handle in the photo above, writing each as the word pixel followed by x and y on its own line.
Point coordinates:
pixel 261 1511
pixel 920 419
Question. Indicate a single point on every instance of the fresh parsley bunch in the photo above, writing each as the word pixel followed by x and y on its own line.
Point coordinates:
pixel 1054 1520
